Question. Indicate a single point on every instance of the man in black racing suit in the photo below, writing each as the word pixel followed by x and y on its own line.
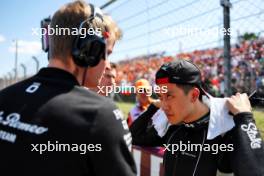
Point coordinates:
pixel 51 125
pixel 240 150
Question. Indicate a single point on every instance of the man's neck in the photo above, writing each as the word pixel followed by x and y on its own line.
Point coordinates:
pixel 69 67
pixel 199 111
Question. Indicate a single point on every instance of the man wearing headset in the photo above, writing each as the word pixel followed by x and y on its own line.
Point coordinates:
pixel 109 75
pixel 50 124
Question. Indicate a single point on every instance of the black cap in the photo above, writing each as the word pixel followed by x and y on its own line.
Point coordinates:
pixel 179 72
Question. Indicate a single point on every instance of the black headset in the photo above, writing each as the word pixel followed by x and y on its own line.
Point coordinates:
pixel 88 51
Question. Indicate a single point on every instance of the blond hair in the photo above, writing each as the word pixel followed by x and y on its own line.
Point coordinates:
pixel 70 16
pixel 112 27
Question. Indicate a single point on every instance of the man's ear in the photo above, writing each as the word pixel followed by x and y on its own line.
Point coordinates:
pixel 195 93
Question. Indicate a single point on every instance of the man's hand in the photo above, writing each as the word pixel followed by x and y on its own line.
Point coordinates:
pixel 238 103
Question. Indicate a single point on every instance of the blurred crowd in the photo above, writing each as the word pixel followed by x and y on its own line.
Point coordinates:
pixel 247 67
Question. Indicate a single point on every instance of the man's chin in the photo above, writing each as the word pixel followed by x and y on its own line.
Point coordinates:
pixel 172 120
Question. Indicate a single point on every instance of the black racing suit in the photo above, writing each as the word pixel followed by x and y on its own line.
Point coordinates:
pixel 242 147
pixel 83 133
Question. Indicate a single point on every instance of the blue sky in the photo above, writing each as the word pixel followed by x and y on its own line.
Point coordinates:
pixel 17 20
pixel 145 24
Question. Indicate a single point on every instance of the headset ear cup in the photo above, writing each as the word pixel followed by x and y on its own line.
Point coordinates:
pixel 75 53
pixel 93 61
pixel 98 51
pixel 87 59
pixel 88 51
pixel 92 51
pixel 78 58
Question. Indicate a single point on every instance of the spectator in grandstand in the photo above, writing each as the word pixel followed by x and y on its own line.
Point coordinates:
pixel 247 60
pixel 190 116
pixel 78 132
pixel 143 100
